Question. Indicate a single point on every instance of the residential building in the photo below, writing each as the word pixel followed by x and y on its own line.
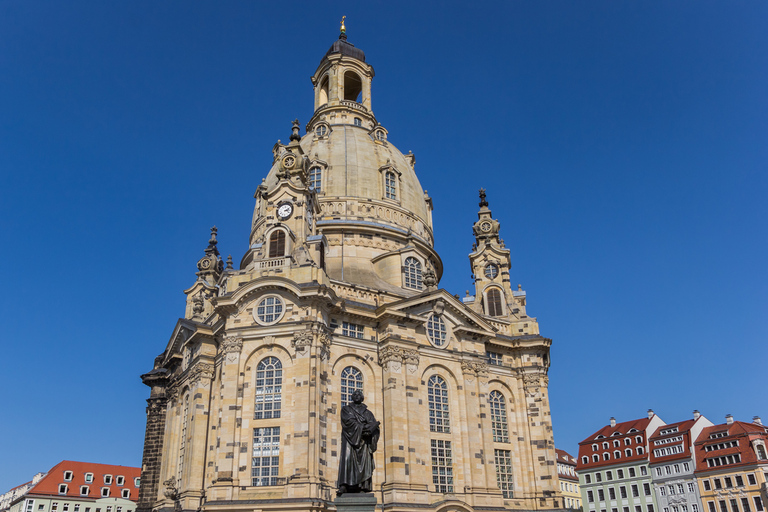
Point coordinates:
pixel 731 466
pixel 9 497
pixel 673 464
pixel 568 480
pixel 338 291
pixel 613 467
pixel 72 486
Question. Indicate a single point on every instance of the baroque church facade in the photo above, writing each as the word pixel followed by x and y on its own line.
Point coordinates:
pixel 338 291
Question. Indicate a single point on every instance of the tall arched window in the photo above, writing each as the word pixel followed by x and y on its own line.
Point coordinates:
pixel 412 273
pixel 353 87
pixel 183 440
pixel 269 387
pixel 351 380
pixel 323 97
pixel 315 178
pixel 277 244
pixel 495 305
pixel 498 417
pixel 437 390
pixel 390 185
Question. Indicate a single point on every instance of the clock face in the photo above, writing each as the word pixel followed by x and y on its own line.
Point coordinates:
pixel 485 226
pixel 284 211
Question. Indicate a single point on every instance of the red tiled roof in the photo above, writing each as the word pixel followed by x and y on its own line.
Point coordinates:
pixel 565 457
pixel 621 431
pixel 739 431
pixel 49 484
pixel 683 430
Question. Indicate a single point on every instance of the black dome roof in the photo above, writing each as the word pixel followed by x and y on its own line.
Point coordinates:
pixel 343 47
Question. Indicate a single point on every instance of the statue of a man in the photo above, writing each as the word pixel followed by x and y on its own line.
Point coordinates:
pixel 359 436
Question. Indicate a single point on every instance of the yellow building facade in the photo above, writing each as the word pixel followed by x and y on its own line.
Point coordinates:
pixel 339 291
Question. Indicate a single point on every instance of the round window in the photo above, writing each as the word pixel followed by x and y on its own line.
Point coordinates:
pixel 321 130
pixel 269 310
pixel 436 331
pixel 491 271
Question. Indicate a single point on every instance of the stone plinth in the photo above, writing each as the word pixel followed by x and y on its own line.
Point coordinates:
pixel 356 502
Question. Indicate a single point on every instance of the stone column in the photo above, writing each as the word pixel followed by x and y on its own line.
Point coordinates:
pixel 153 440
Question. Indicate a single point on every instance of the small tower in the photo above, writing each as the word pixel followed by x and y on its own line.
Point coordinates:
pixel 342 84
pixel 210 268
pixel 490 263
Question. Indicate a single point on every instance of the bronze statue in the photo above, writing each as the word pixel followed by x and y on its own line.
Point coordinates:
pixel 359 437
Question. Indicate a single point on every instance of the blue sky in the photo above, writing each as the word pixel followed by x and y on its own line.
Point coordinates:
pixel 623 145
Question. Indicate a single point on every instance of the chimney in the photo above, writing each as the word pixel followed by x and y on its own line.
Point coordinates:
pixel 613 421
pixel 650 413
pixel 757 421
pixel 729 419
pixel 696 415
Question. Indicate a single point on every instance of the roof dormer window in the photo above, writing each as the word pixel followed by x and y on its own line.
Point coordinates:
pixel 62 488
pixel 108 479
pixel 89 477
pixel 67 476
pixel 120 480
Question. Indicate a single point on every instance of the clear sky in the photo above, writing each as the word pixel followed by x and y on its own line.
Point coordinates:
pixel 624 146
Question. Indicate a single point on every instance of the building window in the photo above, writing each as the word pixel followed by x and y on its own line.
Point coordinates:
pixel 600 495
pixel 351 380
pixel 594 447
pixel 269 388
pixel 691 487
pixel 62 488
pixel 358 121
pixel 605 444
pixel 640 450
pixel 494 358
pixel 623 491
pixel 617 454
pixel 491 271
pixel 631 472
pixel 77 507
pixel 680 489
pixel 65 508
pixel 495 305
pixel 599 477
pixel 277 244
pixel 612 493
pixel 718 484
pixel 104 493
pixel 758 504
pixel 606 456
pixel 734 505
pixel 120 480
pixel 182 441
pixel 390 185
pixel 587 479
pixel 723 506
pixel 442 466
pixel 751 479
pixel 67 476
pixel 137 482
pixel 438 405
pixel 126 494
pixel 585 460
pixel 84 489
pixel 643 470
pixel 503 459
pixel 265 465
pixel 30 505
pixel 745 504
pixel 412 273
pixel 590 497
pixel 635 491
pixel 739 480
pixel 436 330
pixel 686 466
pixel 609 475
pixel 647 489
pixel 89 477
pixel 498 417
pixel 315 178
pixel 352 330
pixel 627 441
pixel 269 310
pixel 595 458
pixel 694 507
pixel 620 474
pixel 54 506
pixel 707 485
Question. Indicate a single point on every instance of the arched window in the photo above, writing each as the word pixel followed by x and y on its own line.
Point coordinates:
pixel 277 244
pixel 412 273
pixel 628 452
pixel 640 450
pixel 353 87
pixel 315 178
pixel 594 447
pixel 323 97
pixel 269 387
pixel 183 440
pixel 498 417
pixel 616 443
pixel 436 330
pixel 595 458
pixel 585 460
pixel 437 390
pixel 390 185
pixel 617 454
pixel 495 306
pixel 351 380
pixel 760 450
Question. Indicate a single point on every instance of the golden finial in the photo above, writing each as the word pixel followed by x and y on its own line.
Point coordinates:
pixel 343 28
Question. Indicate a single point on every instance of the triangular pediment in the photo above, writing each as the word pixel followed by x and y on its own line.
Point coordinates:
pixel 181 333
pixel 423 304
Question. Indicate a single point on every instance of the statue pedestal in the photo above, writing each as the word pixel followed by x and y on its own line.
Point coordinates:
pixel 356 502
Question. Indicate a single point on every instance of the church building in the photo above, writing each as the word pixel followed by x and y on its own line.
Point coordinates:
pixel 339 291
